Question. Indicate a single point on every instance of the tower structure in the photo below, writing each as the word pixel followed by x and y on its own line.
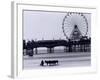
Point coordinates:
pixel 75 34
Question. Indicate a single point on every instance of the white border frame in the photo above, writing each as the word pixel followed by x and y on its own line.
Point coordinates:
pixel 16 66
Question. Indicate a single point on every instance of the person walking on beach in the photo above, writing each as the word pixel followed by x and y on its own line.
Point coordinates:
pixel 42 63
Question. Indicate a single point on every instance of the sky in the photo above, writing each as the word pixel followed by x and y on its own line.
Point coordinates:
pixel 43 25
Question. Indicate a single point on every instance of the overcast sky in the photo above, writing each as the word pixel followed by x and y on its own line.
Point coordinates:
pixel 40 25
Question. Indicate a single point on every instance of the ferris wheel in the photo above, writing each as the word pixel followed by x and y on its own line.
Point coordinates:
pixel 73 20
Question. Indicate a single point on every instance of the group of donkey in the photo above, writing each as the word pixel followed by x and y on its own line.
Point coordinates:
pixel 49 62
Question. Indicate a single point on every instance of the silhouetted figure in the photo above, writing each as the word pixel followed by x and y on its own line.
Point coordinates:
pixel 42 63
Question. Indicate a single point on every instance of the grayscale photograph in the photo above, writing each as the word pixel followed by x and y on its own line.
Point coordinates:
pixel 54 39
